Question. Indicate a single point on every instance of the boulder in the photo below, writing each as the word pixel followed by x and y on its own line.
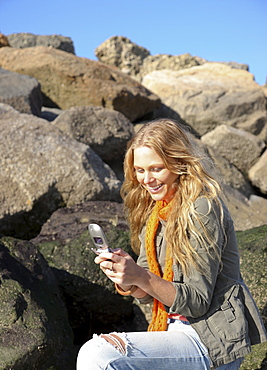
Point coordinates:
pixel 211 94
pixel 67 81
pixel 42 169
pixel 27 40
pixel 3 41
pixel 170 62
pixel 65 242
pixel 241 148
pixel 21 92
pixel 229 174
pixel 258 173
pixel 34 328
pixel 121 52
pixel 104 130
pixel 247 213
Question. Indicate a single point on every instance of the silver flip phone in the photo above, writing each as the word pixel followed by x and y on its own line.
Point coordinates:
pixel 98 238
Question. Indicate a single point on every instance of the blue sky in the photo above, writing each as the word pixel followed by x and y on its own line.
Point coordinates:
pixel 217 30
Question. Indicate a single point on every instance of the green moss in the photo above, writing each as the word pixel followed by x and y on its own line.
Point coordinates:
pixel 253 252
pixel 253 255
pixel 256 360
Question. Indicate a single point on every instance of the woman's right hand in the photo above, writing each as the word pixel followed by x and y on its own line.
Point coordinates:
pixel 120 267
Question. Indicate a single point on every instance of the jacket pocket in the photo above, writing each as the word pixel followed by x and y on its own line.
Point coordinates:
pixel 229 320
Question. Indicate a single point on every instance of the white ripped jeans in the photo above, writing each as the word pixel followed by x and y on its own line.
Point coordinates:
pixel 178 348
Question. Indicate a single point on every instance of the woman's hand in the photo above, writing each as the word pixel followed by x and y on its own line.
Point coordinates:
pixel 119 267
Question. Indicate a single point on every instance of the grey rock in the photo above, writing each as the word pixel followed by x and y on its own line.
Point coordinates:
pixel 247 213
pixel 21 92
pixel 27 40
pixel 229 174
pixel 258 173
pixel 104 130
pixel 241 148
pixel 43 169
pixel 34 328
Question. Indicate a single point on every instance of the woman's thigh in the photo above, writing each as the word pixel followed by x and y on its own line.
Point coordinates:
pixel 145 350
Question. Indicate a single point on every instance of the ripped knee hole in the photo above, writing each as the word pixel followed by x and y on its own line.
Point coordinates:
pixel 116 341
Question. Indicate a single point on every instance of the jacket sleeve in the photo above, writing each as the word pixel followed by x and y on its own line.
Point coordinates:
pixel 194 292
pixel 142 260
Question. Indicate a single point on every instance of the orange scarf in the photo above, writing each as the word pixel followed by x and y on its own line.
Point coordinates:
pixel 159 314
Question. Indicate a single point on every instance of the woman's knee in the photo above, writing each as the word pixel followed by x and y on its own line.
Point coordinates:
pixel 101 348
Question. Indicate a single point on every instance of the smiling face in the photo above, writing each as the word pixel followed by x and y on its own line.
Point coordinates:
pixel 152 173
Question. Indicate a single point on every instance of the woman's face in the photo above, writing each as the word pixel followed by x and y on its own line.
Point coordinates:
pixel 153 175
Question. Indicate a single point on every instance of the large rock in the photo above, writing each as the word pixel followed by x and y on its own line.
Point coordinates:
pixel 21 92
pixel 211 94
pixel 121 52
pixel 65 242
pixel 247 213
pixel 34 328
pixel 3 41
pixel 43 169
pixel 229 174
pixel 27 40
pixel 240 148
pixel 68 81
pixel 104 130
pixel 258 173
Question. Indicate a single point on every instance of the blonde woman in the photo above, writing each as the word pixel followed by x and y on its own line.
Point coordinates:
pixel 203 314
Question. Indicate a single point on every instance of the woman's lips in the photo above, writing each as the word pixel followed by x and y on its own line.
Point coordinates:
pixel 154 189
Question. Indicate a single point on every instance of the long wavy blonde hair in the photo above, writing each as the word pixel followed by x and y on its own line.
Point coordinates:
pixel 172 143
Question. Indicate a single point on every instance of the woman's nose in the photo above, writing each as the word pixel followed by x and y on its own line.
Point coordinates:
pixel 148 178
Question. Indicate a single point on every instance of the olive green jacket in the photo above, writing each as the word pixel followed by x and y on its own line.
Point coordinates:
pixel 217 303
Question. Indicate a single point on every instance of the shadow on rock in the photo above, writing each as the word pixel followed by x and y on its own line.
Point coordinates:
pixel 93 308
pixel 26 225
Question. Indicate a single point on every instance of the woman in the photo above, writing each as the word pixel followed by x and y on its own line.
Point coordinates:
pixel 203 314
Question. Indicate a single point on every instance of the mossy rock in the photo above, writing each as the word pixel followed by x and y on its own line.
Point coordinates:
pixel 34 328
pixel 93 306
pixel 253 255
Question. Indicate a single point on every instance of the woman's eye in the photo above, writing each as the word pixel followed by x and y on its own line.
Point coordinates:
pixel 156 169
pixel 139 170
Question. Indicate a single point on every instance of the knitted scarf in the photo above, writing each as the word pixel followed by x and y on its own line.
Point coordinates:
pixel 160 211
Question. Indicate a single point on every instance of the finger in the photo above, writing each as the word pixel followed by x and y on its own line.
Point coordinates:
pixel 107 265
pixel 108 256
pixel 101 257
